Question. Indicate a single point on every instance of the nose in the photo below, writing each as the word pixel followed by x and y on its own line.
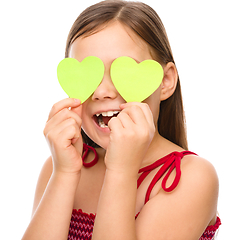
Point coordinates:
pixel 106 90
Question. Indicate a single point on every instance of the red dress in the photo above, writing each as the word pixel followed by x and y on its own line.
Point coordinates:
pixel 81 225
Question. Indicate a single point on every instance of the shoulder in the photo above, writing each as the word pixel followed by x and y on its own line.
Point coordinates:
pixel 199 186
pixel 196 172
pixel 200 183
pixel 199 173
pixel 43 180
pixel 189 208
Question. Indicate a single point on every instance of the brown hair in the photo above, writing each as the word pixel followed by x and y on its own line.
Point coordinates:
pixel 145 22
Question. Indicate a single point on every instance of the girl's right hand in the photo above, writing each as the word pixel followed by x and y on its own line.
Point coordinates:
pixel 63 134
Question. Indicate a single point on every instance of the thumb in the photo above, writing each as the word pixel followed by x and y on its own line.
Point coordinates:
pixel 77 110
pixel 78 143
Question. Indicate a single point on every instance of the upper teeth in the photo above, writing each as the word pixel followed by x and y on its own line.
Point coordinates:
pixel 107 114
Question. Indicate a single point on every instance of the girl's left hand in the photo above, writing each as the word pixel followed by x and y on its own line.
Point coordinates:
pixel 131 134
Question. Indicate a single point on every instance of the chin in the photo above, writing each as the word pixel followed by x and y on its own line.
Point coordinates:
pixel 103 145
pixel 102 141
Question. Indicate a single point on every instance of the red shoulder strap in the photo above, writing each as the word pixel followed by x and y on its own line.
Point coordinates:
pixel 171 161
pixel 86 149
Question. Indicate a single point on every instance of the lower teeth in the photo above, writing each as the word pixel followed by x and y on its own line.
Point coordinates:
pixel 101 123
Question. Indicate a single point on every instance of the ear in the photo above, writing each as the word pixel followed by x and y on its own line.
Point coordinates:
pixel 169 82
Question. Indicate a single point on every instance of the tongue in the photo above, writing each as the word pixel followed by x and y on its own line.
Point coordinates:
pixel 106 120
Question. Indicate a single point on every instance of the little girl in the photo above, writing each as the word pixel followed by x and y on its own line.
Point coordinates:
pixel 122 170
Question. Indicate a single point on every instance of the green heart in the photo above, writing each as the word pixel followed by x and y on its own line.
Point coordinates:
pixel 80 79
pixel 135 82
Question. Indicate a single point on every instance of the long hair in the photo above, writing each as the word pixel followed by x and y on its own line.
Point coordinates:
pixel 145 22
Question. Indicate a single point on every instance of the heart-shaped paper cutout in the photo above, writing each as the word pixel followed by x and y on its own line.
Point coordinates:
pixel 135 82
pixel 80 79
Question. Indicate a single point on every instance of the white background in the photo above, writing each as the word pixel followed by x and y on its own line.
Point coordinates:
pixel 33 35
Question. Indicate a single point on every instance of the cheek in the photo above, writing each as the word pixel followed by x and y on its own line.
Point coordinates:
pixel 86 121
pixel 85 117
pixel 154 104
pixel 88 128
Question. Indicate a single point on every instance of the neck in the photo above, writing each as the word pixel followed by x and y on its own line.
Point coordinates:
pixel 158 148
pixel 153 150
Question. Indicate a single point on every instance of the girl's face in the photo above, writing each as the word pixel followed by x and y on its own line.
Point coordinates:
pixel 113 41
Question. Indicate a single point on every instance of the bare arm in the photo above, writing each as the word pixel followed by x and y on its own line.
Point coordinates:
pixel 131 133
pixel 115 217
pixel 51 218
pixel 59 178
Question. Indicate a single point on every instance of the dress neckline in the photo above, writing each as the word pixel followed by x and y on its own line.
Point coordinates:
pixel 91 217
pixel 169 162
pixel 87 148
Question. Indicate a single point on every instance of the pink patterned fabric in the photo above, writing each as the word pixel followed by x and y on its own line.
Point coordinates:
pixel 211 231
pixel 81 227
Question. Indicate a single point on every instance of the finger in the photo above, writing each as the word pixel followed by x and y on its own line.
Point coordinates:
pixel 65 103
pixel 145 109
pixel 136 114
pixel 115 124
pixel 77 110
pixel 125 119
pixel 68 134
pixel 61 116
pixel 57 132
pixel 65 114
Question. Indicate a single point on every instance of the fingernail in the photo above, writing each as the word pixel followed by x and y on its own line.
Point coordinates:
pixel 77 100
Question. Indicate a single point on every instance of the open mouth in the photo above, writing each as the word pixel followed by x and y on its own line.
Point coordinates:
pixel 103 118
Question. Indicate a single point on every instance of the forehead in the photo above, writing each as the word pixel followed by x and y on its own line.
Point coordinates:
pixel 113 41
